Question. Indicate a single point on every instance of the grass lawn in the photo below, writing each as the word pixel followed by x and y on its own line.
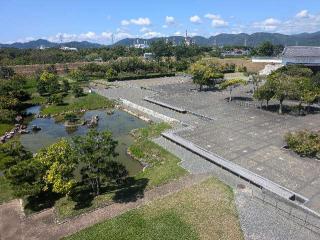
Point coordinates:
pixel 5 128
pixel 163 167
pixel 204 211
pixel 90 101
pixel 6 193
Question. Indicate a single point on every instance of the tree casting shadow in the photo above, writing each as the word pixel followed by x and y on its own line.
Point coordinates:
pixel 132 190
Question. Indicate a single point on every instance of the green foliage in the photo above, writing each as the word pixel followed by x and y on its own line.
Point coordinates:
pixel 161 49
pixel 26 177
pixel 77 91
pixel 6 72
pixel 151 131
pixel 305 143
pixel 162 165
pixel 55 99
pixel 89 101
pixel 290 82
pixel 268 49
pixel 48 83
pixel 78 75
pixel 65 86
pixel 96 152
pixel 20 170
pixel 231 84
pixel 205 73
pixel 71 117
pixel 264 93
pixel 6 191
pixel 60 163
pixel 12 153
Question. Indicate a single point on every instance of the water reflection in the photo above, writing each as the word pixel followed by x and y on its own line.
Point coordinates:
pixel 119 123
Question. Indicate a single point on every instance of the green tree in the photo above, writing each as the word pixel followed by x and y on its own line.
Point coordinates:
pixel 65 86
pixel 79 76
pixel 231 84
pixel 23 173
pixel 56 99
pixel 60 164
pixel 26 177
pixel 96 152
pixel 11 153
pixel 6 72
pixel 161 49
pixel 204 75
pixel 48 83
pixel 266 49
pixel 264 92
pixel 77 91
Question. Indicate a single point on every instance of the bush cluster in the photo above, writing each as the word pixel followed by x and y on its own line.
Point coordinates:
pixel 305 143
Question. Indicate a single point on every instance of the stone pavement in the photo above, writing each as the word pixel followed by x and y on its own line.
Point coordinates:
pixel 258 219
pixel 247 136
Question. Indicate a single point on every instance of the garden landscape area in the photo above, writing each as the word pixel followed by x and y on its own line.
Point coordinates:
pixel 163 127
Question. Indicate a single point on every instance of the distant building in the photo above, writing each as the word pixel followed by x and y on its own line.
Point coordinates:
pixel 68 48
pixel 141 45
pixel 235 53
pixel 148 56
pixel 304 55
pixel 99 59
pixel 42 47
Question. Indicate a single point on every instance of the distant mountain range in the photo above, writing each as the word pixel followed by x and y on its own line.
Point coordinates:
pixel 305 39
pixel 47 44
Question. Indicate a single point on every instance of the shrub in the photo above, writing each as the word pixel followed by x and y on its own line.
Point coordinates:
pixel 56 99
pixel 305 143
pixel 77 91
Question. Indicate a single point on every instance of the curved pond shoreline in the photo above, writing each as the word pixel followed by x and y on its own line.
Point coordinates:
pixel 119 123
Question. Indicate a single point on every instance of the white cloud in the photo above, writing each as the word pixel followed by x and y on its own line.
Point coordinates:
pixel 164 26
pixel 212 16
pixel 303 14
pixel 269 24
pixel 145 29
pixel 89 36
pixel 152 34
pixel 139 21
pixel 178 33
pixel 195 19
pixel 216 20
pixel 125 22
pixel 170 20
pixel 107 35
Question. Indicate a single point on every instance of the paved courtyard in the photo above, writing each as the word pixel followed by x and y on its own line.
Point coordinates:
pixel 247 136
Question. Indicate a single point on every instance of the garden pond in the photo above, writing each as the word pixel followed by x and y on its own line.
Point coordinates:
pixel 119 123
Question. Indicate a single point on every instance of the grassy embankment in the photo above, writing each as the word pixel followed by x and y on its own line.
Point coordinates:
pixel 204 211
pixel 6 192
pixel 90 101
pixel 163 167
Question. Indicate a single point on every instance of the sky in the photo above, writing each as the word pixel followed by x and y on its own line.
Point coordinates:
pixel 99 20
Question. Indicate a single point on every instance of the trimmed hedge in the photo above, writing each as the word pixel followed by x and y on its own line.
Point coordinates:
pixel 144 76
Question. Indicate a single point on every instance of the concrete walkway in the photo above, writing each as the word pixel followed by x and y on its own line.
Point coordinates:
pixel 14 226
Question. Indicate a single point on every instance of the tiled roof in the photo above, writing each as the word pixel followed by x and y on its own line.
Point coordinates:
pixel 301 51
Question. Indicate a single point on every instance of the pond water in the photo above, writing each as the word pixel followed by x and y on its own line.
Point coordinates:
pixel 119 123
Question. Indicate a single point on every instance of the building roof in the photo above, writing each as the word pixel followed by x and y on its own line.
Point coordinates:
pixel 301 51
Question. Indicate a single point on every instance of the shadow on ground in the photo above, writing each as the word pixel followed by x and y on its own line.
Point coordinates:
pixel 129 191
pixel 132 190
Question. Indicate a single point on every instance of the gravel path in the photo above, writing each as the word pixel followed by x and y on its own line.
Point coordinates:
pixel 42 226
